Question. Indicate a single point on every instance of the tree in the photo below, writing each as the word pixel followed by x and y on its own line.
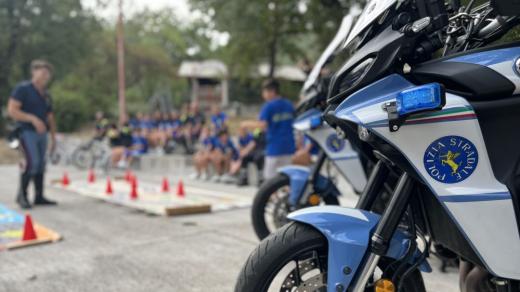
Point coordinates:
pixel 273 32
pixel 55 30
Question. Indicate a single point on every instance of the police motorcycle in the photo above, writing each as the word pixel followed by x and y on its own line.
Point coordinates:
pixel 297 187
pixel 447 126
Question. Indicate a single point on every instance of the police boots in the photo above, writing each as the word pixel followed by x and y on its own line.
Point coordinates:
pixel 21 198
pixel 39 199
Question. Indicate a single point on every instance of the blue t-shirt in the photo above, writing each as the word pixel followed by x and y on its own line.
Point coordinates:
pixel 32 103
pixel 141 142
pixel 219 120
pixel 209 142
pixel 244 141
pixel 228 147
pixel 146 124
pixel 279 115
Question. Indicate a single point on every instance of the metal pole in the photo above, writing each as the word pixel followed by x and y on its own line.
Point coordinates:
pixel 121 66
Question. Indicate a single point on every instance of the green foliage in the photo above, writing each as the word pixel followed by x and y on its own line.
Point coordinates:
pixel 82 48
pixel 273 32
pixel 69 108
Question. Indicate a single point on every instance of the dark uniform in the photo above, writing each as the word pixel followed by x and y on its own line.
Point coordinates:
pixel 33 144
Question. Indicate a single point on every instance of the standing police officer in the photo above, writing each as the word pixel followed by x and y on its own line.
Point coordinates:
pixel 30 106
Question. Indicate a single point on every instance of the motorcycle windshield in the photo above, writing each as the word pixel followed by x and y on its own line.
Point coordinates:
pixel 372 11
pixel 325 57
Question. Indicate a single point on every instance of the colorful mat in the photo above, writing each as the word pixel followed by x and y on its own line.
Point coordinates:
pixel 11 231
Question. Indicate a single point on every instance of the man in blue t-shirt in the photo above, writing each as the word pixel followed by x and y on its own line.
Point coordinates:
pixel 276 119
pixel 30 106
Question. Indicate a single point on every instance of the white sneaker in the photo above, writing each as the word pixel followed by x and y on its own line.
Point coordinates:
pixel 194 176
pixel 216 178
pixel 228 179
pixel 121 164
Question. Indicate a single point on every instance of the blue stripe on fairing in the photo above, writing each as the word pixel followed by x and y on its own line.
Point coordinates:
pixel 489 58
pixel 476 198
pixel 349 157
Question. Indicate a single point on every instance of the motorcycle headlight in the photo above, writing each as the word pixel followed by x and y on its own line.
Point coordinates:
pixel 356 74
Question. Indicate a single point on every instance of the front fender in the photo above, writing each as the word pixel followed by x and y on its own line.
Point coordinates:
pixel 298 178
pixel 348 234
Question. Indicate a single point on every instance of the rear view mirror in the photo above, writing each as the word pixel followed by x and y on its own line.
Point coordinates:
pixel 507 7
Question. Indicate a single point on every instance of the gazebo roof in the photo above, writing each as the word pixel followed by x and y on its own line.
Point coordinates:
pixel 215 69
pixel 211 69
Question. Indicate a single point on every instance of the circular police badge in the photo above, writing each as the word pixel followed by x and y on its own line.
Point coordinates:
pixel 335 143
pixel 451 159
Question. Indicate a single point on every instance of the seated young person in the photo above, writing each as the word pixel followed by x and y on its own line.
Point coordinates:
pixel 138 148
pixel 120 140
pixel 178 130
pixel 202 157
pixel 306 150
pixel 252 150
pixel 102 124
pixel 225 153
pixel 218 117
pixel 163 131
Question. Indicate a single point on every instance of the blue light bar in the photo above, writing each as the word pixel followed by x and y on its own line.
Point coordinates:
pixel 316 122
pixel 421 98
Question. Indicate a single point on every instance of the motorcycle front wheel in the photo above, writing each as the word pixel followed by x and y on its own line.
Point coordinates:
pixel 294 258
pixel 271 205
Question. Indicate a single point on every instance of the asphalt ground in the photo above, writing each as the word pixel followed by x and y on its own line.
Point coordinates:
pixel 113 248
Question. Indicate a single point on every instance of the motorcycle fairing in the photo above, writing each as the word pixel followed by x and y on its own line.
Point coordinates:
pixel 298 178
pixel 345 158
pixel 501 60
pixel 475 202
pixel 348 234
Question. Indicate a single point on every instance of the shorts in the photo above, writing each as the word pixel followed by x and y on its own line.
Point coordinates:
pixel 272 163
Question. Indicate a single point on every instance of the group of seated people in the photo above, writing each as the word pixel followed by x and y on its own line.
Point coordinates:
pixel 228 160
pixel 217 155
pixel 158 132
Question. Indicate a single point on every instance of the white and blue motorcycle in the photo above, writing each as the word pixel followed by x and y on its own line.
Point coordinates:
pixel 296 187
pixel 447 126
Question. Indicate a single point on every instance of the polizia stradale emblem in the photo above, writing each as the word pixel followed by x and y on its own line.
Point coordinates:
pixel 451 159
pixel 335 143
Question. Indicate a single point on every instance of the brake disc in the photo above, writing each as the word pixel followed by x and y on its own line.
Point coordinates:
pixel 294 283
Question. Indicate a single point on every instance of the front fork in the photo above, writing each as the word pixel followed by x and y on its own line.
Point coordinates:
pixel 314 173
pixel 385 229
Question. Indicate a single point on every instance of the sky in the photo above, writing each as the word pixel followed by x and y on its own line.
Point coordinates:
pixel 181 7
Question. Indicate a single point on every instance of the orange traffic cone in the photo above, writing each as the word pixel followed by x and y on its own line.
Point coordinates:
pixel 91 176
pixel 133 189
pixel 28 229
pixel 128 176
pixel 109 191
pixel 165 185
pixel 180 189
pixel 65 181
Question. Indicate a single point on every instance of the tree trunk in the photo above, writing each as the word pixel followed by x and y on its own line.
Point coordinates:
pixel 273 50
pixel 6 61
